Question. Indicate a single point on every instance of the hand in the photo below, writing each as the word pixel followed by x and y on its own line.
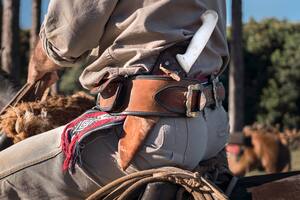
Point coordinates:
pixel 40 65
pixel 49 78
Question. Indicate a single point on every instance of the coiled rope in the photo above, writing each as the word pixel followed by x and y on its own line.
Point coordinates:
pixel 195 184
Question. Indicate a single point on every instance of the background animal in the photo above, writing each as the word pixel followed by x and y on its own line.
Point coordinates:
pixel 268 151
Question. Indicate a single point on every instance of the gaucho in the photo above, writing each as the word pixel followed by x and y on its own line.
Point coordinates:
pixel 152 110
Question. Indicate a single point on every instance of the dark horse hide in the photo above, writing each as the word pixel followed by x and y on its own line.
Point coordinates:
pixel 8 90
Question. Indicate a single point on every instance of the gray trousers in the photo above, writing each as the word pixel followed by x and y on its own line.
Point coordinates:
pixel 32 169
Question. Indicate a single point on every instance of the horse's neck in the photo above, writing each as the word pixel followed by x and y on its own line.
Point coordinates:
pixel 8 89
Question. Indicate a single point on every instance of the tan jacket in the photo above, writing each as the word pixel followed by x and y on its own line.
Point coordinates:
pixel 125 37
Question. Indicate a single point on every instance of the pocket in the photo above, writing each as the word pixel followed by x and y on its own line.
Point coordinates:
pixel 167 142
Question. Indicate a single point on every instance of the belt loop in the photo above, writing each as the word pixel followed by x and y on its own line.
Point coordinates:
pixel 215 80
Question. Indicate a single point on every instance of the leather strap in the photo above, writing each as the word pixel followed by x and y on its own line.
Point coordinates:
pixel 159 96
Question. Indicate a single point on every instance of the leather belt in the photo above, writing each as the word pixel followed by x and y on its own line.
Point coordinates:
pixel 154 95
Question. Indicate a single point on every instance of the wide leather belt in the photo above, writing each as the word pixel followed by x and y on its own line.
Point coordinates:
pixel 159 96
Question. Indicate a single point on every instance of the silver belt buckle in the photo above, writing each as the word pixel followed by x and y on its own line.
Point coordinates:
pixel 189 96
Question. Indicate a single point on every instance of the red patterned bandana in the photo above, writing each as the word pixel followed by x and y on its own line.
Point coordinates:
pixel 88 123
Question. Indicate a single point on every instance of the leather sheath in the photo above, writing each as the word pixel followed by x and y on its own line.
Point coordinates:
pixel 135 131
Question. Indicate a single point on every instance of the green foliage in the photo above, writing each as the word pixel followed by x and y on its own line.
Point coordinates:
pixel 281 98
pixel 69 80
pixel 272 60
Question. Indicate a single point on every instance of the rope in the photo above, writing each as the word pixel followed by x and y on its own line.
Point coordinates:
pixel 196 185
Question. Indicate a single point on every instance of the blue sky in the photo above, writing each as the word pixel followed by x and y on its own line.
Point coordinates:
pixel 258 9
pixel 25 12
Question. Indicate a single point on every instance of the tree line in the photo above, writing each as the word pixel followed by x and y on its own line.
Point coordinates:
pixel 262 81
pixel 264 73
pixel 11 36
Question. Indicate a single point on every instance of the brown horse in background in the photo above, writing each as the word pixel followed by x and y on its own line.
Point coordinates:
pixel 268 150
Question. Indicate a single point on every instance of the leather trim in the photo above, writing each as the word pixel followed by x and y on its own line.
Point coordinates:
pixel 107 99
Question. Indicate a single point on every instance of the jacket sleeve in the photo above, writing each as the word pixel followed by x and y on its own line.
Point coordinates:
pixel 72 28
